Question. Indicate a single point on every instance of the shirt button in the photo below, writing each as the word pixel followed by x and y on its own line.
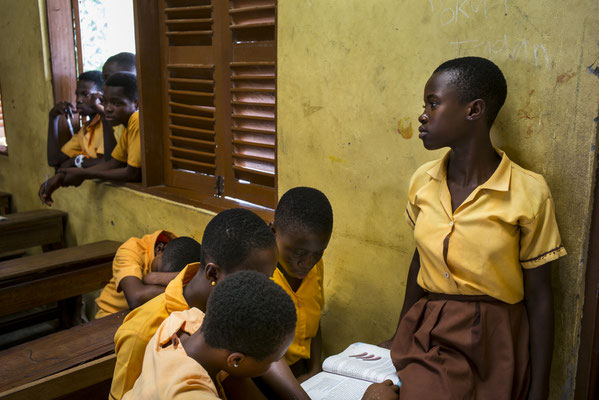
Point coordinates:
pixel 447 275
pixel 450 224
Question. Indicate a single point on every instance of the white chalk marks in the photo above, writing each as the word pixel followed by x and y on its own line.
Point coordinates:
pixel 518 49
pixel 454 11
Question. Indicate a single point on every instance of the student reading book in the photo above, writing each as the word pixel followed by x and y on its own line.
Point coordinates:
pixel 347 375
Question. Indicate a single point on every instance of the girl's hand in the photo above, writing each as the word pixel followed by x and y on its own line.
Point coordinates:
pixel 63 108
pixel 382 391
pixel 97 103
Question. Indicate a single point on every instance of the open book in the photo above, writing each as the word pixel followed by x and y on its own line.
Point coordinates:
pixel 347 375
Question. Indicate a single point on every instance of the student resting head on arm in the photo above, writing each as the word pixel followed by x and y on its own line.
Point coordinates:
pixel 303 225
pixel 248 325
pixel 143 267
pixel 120 107
pixel 479 285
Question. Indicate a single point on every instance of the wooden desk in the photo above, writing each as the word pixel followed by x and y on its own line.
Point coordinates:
pixel 53 276
pixel 32 228
pixel 61 363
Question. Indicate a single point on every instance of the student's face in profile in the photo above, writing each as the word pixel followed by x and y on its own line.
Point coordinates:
pixel 83 97
pixel 250 367
pixel 442 123
pixel 261 260
pixel 117 106
pixel 300 250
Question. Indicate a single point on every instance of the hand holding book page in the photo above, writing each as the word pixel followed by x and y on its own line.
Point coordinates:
pixel 347 375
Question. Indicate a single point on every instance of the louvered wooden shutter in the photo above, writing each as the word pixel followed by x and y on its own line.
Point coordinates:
pixel 190 159
pixel 220 91
pixel 253 101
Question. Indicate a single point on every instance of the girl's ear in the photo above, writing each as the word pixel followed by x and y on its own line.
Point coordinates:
pixel 235 360
pixel 476 109
pixel 213 273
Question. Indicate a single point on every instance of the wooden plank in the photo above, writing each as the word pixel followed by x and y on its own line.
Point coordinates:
pixel 37 292
pixel 66 382
pixel 31 228
pixel 4 203
pixel 58 352
pixel 69 258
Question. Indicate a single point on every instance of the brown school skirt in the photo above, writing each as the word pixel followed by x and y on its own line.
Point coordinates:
pixel 462 347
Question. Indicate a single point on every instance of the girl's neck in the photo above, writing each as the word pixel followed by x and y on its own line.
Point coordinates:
pixel 196 347
pixel 473 163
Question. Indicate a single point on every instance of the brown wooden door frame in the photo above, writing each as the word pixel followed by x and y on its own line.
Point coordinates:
pixel 587 374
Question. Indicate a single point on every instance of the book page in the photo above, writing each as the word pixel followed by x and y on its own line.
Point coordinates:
pixel 363 361
pixel 327 386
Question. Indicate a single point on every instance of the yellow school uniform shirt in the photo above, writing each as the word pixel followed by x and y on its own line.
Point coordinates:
pixel 138 328
pixel 309 302
pixel 133 258
pixel 89 141
pixel 128 146
pixel 168 372
pixel 506 224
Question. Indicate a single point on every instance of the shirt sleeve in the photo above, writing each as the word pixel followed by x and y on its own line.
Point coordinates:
pixel 128 147
pixel 129 349
pixel 72 148
pixel 127 262
pixel 412 210
pixel 540 241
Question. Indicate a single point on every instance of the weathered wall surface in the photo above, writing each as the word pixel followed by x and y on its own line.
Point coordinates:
pixel 351 76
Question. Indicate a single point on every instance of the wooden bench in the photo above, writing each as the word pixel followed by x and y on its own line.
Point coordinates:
pixel 4 203
pixel 63 363
pixel 58 275
pixel 32 228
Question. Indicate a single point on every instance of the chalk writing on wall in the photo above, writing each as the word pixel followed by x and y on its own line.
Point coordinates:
pixel 451 12
pixel 514 49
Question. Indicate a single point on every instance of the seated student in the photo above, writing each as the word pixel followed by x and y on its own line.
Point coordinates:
pixel 303 225
pixel 248 325
pixel 477 318
pixel 120 94
pixel 233 240
pixel 121 62
pixel 143 267
pixel 86 147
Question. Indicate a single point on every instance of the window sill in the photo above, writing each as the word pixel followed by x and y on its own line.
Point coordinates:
pixel 210 203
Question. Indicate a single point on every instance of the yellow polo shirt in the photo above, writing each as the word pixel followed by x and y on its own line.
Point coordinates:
pixel 309 302
pixel 133 258
pixel 168 372
pixel 89 141
pixel 506 224
pixel 128 146
pixel 138 328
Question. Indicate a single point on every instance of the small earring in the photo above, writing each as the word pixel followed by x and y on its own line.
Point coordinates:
pixel 213 283
pixel 236 365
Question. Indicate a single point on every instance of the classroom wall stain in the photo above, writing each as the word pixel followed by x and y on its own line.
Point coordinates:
pixel 329 52
pixel 404 128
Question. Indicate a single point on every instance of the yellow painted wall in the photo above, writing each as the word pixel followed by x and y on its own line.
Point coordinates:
pixel 351 74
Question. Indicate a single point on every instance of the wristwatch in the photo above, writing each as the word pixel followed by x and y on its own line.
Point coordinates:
pixel 79 161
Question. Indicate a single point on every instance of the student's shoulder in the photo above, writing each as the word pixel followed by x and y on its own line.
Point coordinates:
pixel 133 124
pixel 421 176
pixel 138 321
pixel 529 183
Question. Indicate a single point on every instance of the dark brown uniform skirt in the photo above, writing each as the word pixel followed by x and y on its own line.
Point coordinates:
pixel 462 347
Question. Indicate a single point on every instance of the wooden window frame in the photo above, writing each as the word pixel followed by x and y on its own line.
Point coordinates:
pixel 151 70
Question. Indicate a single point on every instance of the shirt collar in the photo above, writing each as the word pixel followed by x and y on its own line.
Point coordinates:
pixel 499 181
pixel 173 293
pixel 92 122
